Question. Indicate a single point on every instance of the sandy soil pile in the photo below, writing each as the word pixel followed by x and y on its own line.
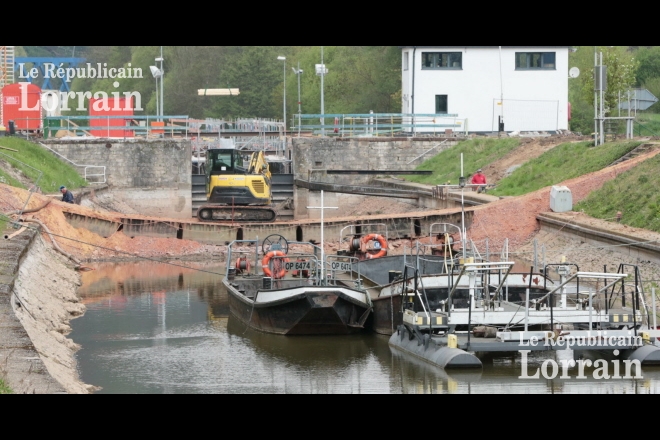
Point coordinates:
pixel 86 245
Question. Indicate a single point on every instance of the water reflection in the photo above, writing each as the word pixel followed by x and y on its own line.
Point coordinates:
pixel 155 328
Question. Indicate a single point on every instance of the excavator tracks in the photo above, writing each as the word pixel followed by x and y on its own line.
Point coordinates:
pixel 215 213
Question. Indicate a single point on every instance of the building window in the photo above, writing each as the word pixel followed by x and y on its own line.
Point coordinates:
pixel 442 60
pixel 441 104
pixel 405 61
pixel 535 60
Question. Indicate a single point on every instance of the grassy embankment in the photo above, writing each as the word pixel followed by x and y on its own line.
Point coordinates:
pixel 55 171
pixel 633 193
pixel 477 153
pixel 646 124
pixel 563 162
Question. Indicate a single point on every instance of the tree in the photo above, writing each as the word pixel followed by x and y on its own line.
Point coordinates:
pixel 649 64
pixel 648 73
pixel 621 67
pixel 257 73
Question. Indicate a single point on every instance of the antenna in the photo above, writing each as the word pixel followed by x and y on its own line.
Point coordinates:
pixel 574 72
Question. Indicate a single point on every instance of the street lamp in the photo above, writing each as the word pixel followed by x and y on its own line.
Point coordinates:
pixel 157 73
pixel 281 58
pixel 298 72
pixel 162 72
pixel 322 71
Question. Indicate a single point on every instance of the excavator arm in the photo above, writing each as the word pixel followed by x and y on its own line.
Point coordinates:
pixel 258 165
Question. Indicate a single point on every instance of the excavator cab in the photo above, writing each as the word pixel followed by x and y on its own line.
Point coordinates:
pixel 224 161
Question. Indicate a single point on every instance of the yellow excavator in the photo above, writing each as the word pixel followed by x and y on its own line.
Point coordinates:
pixel 238 187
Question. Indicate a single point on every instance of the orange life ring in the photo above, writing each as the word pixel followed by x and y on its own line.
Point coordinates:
pixel 381 240
pixel 266 260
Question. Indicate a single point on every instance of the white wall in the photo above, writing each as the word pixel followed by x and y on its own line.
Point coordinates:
pixel 534 100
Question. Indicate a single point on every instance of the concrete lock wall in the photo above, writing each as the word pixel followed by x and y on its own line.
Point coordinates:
pixel 153 176
pixel 313 157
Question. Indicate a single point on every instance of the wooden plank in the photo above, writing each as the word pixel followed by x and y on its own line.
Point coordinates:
pixel 76 125
pixel 217 92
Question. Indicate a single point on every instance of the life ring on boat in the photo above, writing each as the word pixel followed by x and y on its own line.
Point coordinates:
pixel 381 241
pixel 264 264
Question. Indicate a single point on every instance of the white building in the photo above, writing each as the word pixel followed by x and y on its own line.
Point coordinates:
pixel 523 87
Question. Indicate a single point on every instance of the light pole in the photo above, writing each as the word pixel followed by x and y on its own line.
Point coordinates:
pixel 321 71
pixel 162 72
pixel 298 72
pixel 281 58
pixel 157 73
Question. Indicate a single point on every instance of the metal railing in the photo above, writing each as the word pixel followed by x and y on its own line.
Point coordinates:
pixel 378 124
pixel 85 167
pixel 113 126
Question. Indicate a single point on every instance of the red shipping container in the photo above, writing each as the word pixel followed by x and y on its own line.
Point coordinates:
pixel 21 103
pixel 111 127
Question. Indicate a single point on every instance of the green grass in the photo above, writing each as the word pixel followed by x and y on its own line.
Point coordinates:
pixel 477 153
pixel 647 124
pixel 563 162
pixel 55 171
pixel 4 389
pixel 634 193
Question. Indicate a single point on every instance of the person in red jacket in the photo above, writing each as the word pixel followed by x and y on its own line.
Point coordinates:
pixel 479 178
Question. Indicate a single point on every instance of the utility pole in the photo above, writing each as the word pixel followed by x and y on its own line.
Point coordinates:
pixel 162 72
pixel 322 104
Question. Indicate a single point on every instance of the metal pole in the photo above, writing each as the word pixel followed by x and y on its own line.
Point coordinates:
pixel 157 101
pixel 591 308
pixel 284 108
pixel 655 314
pixel 526 309
pixel 602 96
pixel 298 72
pixel 322 104
pixel 162 73
pixel 463 244
pixel 595 100
pixel 322 250
pixel 322 208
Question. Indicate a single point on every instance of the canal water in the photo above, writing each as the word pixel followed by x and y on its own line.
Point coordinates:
pixel 157 328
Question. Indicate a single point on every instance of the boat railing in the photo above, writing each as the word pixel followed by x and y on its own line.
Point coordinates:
pixel 230 269
pixel 609 279
pixel 304 269
pixel 301 261
pixel 476 272
pixel 418 290
pixel 343 269
pixel 351 233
